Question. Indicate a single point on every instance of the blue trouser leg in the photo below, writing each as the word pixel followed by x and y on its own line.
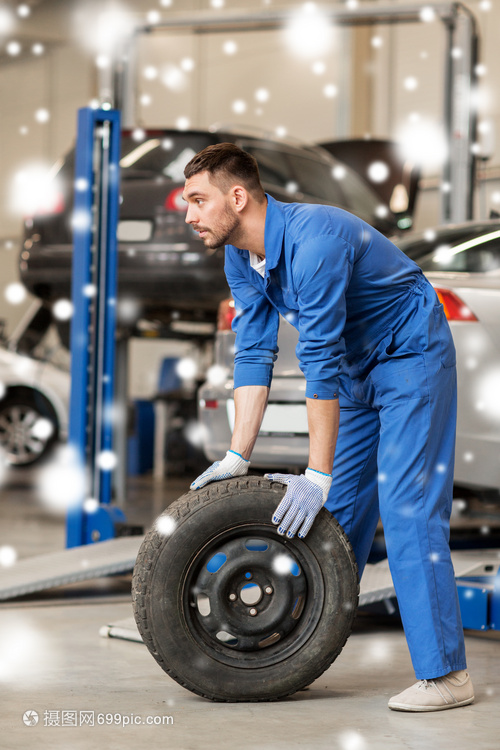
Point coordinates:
pixel 415 462
pixel 353 498
pixel 396 449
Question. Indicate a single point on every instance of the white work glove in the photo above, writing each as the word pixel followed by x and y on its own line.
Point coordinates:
pixel 233 465
pixel 304 498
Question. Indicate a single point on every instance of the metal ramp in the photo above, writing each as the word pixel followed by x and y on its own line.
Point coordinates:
pixel 376 586
pixel 69 566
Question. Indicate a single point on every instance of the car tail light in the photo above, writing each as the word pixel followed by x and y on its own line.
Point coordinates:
pixel 174 201
pixel 454 307
pixel 226 315
pixel 210 403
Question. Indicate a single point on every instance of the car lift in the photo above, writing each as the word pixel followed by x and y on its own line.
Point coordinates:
pixel 97 192
pixel 92 518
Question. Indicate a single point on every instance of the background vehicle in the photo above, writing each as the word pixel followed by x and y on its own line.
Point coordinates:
pixel 466 260
pixel 163 265
pixel 381 164
pixel 34 388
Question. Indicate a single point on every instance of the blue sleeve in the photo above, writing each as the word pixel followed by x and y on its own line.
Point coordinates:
pixel 321 270
pixel 256 327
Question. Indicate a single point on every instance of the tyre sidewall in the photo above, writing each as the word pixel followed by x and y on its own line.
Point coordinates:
pixel 201 516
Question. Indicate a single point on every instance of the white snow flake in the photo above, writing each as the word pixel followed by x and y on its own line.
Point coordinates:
pixel 378 171
pixel 90 505
pixel 196 433
pixel 330 91
pixel 8 556
pixel 283 564
pixel 182 123
pixel 239 106
pixel 150 72
pixel 107 460
pixel 153 16
pixel 427 14
pixel 318 68
pixel 410 83
pixel 15 293
pixel 165 525
pixel 42 115
pixel 63 309
pixel 229 47
pixel 13 48
pixel 308 33
pixel 351 740
pixel 216 375
pixel 339 172
pixel 262 95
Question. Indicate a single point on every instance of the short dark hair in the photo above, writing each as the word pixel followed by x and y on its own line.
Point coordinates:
pixel 227 164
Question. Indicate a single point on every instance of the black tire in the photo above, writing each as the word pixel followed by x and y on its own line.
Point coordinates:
pixel 299 626
pixel 18 415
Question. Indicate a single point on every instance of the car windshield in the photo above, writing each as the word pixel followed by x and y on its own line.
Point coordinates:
pixel 296 173
pixel 418 245
pixel 477 255
pixel 471 249
pixel 315 178
pixel 358 193
pixel 160 154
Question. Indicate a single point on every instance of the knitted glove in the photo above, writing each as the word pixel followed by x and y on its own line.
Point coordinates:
pixel 233 465
pixel 304 498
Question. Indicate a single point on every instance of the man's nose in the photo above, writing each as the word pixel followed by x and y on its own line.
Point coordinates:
pixel 190 215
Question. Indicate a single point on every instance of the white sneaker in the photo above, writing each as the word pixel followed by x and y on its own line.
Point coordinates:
pixel 451 691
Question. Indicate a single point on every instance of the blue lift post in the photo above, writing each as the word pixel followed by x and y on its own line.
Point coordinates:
pixel 479 597
pixel 94 289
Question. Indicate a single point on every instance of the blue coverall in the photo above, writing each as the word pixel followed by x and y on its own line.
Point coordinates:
pixel 372 334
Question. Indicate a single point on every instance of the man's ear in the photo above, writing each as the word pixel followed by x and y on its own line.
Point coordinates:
pixel 239 196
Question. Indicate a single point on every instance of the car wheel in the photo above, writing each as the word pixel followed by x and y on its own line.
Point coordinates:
pixel 27 428
pixel 233 611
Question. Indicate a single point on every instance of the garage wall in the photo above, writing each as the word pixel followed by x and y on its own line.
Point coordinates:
pixel 260 67
pixel 60 81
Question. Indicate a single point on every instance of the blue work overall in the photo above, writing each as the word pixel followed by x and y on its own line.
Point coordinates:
pixel 372 334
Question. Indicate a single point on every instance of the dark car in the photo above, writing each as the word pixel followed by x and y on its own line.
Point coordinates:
pixel 381 164
pixel 163 265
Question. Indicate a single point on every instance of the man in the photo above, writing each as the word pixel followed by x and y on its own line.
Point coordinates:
pixel 379 363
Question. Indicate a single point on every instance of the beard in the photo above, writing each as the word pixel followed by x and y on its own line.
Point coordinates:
pixel 226 230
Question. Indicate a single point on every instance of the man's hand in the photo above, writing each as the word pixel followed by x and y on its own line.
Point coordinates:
pixel 305 496
pixel 233 465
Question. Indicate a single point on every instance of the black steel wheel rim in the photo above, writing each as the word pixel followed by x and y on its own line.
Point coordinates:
pixel 251 598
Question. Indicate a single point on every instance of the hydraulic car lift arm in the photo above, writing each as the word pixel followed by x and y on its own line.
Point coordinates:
pixel 94 321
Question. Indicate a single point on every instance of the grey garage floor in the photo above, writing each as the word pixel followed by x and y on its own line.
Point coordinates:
pixel 53 662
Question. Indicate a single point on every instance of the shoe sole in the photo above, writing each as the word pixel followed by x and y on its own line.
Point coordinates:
pixel 422 709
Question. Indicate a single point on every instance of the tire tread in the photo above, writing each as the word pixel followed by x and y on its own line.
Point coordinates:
pixel 144 568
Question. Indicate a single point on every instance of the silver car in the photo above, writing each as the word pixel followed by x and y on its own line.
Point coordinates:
pixel 34 389
pixel 463 264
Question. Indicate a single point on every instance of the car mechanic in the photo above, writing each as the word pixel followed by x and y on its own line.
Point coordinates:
pixel 379 362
